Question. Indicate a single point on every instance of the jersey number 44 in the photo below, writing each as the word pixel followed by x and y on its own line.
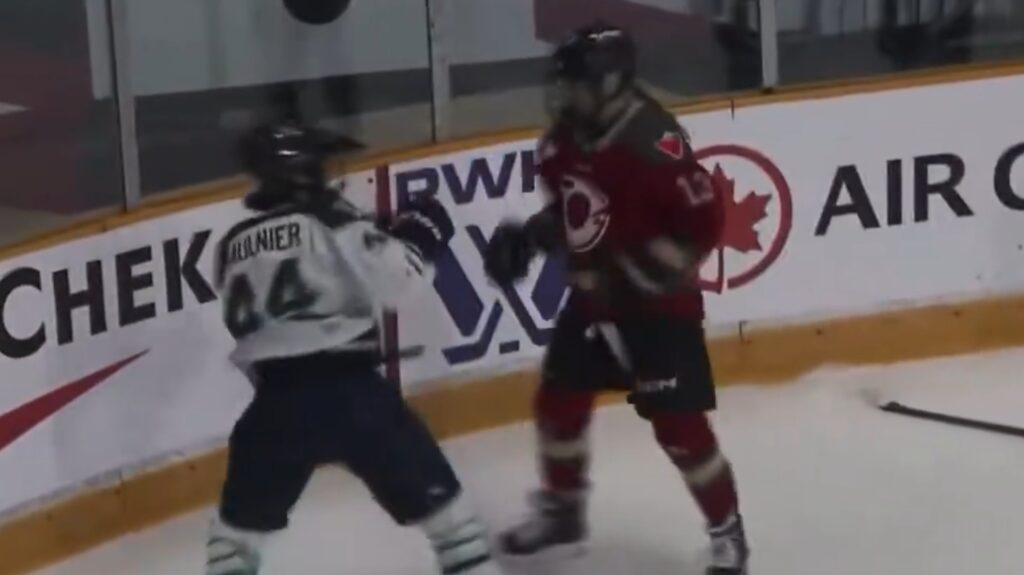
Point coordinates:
pixel 288 297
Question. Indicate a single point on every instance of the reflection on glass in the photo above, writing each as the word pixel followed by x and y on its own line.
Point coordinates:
pixel 58 129
pixel 825 39
pixel 204 72
pixel 498 51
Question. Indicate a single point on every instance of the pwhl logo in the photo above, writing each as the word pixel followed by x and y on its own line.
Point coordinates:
pixel 758 222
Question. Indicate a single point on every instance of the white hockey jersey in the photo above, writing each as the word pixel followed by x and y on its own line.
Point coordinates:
pixel 296 281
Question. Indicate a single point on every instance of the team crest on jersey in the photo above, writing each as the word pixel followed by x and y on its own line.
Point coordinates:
pixel 671 144
pixel 586 213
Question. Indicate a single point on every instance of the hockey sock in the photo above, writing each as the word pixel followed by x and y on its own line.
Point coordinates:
pixel 232 551
pixel 563 419
pixel 459 540
pixel 691 444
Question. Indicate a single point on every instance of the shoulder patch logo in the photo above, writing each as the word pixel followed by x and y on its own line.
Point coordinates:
pixel 671 144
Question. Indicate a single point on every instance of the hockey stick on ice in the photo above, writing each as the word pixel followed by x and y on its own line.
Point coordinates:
pixel 900 409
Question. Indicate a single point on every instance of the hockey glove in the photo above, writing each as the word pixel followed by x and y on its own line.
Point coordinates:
pixel 508 255
pixel 426 225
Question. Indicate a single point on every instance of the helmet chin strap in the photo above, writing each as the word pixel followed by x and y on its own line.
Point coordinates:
pixel 609 113
pixel 613 109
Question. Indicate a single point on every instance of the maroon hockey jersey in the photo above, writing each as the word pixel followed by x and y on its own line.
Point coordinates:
pixel 638 183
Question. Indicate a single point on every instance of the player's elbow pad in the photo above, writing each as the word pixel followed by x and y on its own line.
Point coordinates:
pixel 401 273
pixel 660 266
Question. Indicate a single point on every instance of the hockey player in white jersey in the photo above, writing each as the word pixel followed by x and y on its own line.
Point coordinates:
pixel 303 283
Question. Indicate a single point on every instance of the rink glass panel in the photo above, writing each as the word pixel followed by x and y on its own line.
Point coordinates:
pixel 829 39
pixel 204 72
pixel 496 52
pixel 192 75
pixel 58 123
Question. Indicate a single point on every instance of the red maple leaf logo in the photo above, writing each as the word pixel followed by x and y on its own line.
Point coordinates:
pixel 741 220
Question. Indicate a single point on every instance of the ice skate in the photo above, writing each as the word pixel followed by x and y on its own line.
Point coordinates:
pixel 231 551
pixel 556 527
pixel 460 541
pixel 729 550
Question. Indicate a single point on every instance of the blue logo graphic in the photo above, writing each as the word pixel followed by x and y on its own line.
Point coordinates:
pixel 463 188
pixel 465 302
pixel 467 309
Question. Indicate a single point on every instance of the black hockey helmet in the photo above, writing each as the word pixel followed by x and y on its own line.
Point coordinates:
pixel 594 66
pixel 288 159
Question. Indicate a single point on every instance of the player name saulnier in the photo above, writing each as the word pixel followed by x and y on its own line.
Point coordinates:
pixel 277 238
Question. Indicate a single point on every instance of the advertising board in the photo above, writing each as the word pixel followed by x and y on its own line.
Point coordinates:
pixel 833 209
pixel 114 354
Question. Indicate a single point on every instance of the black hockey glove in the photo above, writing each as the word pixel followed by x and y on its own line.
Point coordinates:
pixel 508 255
pixel 426 225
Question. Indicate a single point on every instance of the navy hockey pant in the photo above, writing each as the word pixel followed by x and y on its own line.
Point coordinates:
pixel 327 409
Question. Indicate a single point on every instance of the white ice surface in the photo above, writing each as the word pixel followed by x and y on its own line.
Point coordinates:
pixel 828 486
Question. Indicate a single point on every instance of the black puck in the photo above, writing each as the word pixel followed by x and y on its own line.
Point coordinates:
pixel 317 12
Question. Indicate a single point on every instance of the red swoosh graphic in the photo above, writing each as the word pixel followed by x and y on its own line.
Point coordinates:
pixel 22 419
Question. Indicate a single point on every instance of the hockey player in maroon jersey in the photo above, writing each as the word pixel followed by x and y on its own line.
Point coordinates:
pixel 637 215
